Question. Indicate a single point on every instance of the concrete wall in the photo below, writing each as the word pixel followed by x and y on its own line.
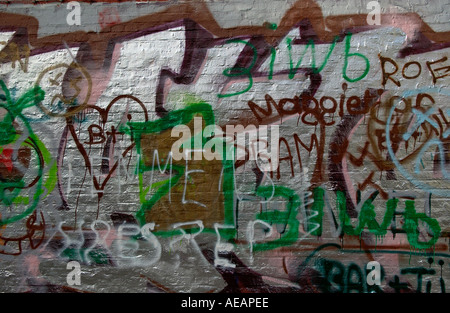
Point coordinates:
pixel 90 96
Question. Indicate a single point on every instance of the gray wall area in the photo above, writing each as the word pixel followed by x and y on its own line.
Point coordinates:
pixel 224 145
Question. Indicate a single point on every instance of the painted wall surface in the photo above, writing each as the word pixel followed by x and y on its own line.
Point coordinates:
pixel 93 199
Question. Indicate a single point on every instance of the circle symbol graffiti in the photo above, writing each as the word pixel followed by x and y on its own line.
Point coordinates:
pixel 67 89
pixel 415 173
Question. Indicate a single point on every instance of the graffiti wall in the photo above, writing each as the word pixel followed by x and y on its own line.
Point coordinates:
pixel 225 146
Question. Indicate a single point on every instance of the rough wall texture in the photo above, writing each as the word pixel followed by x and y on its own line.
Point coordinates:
pixel 88 111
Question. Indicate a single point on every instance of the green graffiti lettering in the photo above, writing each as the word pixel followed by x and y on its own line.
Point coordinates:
pixel 293 70
pixel 241 71
pixel 273 55
pixel 367 218
pixel 411 226
pixel 287 219
pixel 347 56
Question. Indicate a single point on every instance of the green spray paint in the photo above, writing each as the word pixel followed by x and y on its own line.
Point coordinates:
pixel 366 220
pixel 287 217
pixel 293 70
pixel 412 219
pixel 97 256
pixel 347 56
pixel 179 117
pixel 11 190
pixel 246 72
pixel 241 71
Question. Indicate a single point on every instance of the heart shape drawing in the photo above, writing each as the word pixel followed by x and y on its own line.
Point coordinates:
pixel 94 134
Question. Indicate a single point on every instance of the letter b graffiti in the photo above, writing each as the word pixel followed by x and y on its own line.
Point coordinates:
pixel 374 276
pixel 74 277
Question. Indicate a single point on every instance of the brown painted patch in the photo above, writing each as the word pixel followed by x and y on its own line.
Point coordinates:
pixel 202 187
